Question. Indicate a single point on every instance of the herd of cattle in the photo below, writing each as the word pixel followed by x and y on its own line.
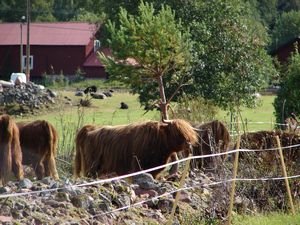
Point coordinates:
pixel 102 150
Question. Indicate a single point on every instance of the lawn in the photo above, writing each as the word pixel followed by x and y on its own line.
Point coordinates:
pixel 259 118
pixel 269 219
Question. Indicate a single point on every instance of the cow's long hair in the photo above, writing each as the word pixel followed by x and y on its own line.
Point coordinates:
pixel 214 137
pixel 38 141
pixel 10 151
pixel 123 149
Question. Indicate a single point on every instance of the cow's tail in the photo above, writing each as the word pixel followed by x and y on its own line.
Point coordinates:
pixel 79 167
pixel 6 135
pixel 51 144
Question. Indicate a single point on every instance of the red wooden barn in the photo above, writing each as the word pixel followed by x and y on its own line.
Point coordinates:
pixel 55 48
pixel 284 51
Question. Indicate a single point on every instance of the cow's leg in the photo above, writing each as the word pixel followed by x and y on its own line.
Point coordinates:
pixel 174 167
pixel 39 168
pixel 51 167
pixel 17 168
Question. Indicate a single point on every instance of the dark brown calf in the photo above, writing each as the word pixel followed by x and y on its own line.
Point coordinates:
pixel 38 141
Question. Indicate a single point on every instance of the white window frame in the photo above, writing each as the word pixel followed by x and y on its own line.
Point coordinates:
pixel 24 62
pixel 97 45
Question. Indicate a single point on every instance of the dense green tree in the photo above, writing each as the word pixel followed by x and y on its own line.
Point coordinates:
pixel 267 10
pixel 286 28
pixel 42 10
pixel 13 10
pixel 155 44
pixel 288 5
pixel 287 100
pixel 230 62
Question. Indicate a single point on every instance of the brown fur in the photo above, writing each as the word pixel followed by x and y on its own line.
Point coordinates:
pixel 213 138
pixel 266 140
pixel 129 148
pixel 292 125
pixel 38 142
pixel 10 151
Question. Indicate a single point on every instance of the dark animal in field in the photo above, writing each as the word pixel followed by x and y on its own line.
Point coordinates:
pixel 10 151
pixel 38 141
pixel 123 105
pixel 90 89
pixel 123 149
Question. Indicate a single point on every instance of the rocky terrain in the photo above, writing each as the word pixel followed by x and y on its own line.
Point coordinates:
pixel 143 200
pixel 28 98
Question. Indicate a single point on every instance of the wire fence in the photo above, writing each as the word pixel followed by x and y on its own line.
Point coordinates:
pixel 102 181
pixel 212 183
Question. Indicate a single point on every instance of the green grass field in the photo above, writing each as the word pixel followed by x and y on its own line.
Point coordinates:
pixel 269 219
pixel 263 113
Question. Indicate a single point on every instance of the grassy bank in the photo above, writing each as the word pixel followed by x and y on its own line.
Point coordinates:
pixel 269 219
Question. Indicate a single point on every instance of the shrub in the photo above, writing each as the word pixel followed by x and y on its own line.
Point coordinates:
pixel 195 109
pixel 287 100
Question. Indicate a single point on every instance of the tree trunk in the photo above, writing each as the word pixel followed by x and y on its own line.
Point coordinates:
pixel 164 109
pixel 163 101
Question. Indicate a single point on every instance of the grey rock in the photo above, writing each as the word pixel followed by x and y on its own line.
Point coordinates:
pixel 107 93
pixel 52 93
pixel 98 96
pixel 121 201
pixel 79 93
pixel 25 183
pixel 145 181
pixel 165 205
pixel 82 201
pixel 4 190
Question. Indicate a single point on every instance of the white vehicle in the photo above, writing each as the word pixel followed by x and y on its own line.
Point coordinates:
pixel 20 76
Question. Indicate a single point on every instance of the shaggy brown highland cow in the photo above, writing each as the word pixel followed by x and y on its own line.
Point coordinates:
pixel 129 148
pixel 266 140
pixel 213 137
pixel 38 141
pixel 10 151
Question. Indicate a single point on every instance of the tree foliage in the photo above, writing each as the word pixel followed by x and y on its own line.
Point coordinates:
pixel 146 47
pixel 230 62
pixel 287 100
pixel 286 28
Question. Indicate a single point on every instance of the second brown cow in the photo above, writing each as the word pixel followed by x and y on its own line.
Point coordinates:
pixel 38 141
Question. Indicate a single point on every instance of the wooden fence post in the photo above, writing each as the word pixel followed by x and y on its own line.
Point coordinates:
pixel 235 168
pixel 285 175
pixel 184 174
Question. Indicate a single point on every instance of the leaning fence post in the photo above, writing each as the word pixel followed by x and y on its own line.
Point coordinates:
pixel 285 176
pixel 184 174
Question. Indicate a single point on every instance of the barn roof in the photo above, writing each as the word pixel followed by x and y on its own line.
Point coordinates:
pixel 92 59
pixel 62 33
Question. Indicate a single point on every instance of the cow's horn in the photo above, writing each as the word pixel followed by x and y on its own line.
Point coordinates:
pixel 167 121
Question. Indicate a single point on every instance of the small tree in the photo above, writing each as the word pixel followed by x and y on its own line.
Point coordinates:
pixel 287 100
pixel 146 47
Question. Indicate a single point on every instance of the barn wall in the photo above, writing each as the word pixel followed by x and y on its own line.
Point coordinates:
pixel 95 72
pixel 9 60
